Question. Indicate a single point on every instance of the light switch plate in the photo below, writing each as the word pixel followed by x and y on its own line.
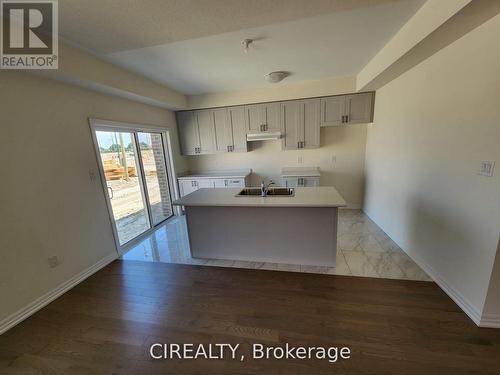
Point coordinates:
pixel 486 168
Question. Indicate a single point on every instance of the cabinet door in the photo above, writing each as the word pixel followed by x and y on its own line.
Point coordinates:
pixel 235 182
pixel 254 117
pixel 219 182
pixel 359 108
pixel 238 126
pixel 290 182
pixel 188 132
pixel 203 183
pixel 332 110
pixel 272 112
pixel 292 124
pixel 206 131
pixel 223 134
pixel 311 123
pixel 187 187
pixel 310 181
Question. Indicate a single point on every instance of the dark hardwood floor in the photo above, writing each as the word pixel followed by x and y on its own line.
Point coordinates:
pixel 106 324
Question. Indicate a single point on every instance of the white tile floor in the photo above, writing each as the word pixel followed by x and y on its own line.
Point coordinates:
pixel 363 250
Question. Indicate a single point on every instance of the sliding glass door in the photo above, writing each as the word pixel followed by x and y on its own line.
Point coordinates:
pixel 134 166
pixel 155 172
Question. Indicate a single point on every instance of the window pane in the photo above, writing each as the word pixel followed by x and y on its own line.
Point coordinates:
pixel 155 170
pixel 124 184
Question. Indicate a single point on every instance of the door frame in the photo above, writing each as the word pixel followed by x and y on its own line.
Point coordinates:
pixel 165 131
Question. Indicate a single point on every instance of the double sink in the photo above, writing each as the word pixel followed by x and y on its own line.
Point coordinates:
pixel 271 192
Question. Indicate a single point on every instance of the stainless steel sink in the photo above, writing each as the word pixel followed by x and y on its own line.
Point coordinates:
pixel 271 192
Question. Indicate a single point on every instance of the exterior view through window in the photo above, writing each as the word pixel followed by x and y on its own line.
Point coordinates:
pixel 134 165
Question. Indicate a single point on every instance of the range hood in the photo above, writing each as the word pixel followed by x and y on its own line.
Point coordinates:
pixel 268 136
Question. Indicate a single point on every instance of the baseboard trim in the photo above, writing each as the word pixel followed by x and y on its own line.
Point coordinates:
pixel 468 308
pixel 50 296
pixel 490 321
pixel 472 311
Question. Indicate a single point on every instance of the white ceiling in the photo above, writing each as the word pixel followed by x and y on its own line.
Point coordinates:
pixel 106 26
pixel 338 43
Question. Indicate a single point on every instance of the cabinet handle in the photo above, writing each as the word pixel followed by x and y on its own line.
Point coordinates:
pixel 225 183
pixel 231 148
pixel 347 118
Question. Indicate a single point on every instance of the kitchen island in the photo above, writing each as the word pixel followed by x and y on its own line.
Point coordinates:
pixel 298 229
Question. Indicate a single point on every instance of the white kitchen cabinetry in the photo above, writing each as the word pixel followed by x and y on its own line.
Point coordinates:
pixel 263 117
pixel 230 129
pixel 238 129
pixel 359 108
pixel 347 109
pixel 301 181
pixel 300 177
pixel 220 179
pixel 206 131
pixel 228 182
pixel 300 124
pixel 187 187
pixel 188 133
pixel 196 132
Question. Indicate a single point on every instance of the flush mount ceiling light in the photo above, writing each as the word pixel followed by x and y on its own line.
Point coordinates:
pixel 275 77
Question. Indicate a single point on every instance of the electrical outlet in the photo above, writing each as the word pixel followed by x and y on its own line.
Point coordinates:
pixel 486 168
pixel 53 261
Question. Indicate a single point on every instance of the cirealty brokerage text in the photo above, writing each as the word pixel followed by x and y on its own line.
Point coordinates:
pixel 218 351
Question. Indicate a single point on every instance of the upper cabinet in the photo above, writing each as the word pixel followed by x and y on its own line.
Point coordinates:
pixel 230 129
pixel 238 125
pixel 347 109
pixel 196 132
pixel 263 117
pixel 188 132
pixel 300 123
pixel 359 108
pixel 208 131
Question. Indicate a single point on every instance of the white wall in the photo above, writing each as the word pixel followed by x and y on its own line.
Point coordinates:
pixel 345 144
pixel 432 127
pixel 48 204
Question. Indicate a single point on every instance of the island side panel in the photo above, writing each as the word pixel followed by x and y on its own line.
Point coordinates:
pixel 292 235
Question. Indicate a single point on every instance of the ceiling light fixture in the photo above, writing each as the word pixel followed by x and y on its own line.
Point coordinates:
pixel 245 43
pixel 275 77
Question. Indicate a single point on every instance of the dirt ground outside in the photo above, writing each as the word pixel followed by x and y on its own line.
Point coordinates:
pixel 127 199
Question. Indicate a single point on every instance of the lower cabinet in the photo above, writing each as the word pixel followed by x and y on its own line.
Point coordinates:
pixel 187 186
pixel 301 181
pixel 224 182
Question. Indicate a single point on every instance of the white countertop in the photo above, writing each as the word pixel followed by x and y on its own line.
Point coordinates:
pixel 322 196
pixel 239 173
pixel 300 172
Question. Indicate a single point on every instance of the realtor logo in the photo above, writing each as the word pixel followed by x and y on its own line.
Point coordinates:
pixel 29 34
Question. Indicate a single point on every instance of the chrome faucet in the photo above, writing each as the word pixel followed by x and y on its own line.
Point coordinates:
pixel 265 188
